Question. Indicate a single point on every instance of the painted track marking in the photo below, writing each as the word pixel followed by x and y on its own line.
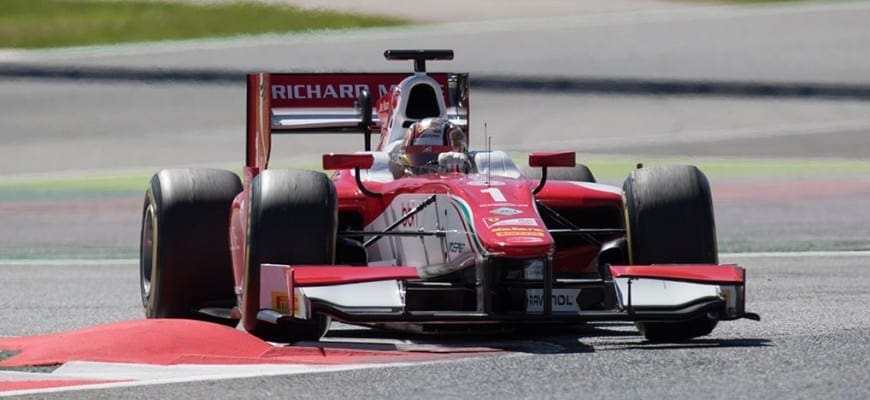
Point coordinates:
pixel 151 351
pixel 70 261
pixel 194 373
pixel 799 254
pixel 135 261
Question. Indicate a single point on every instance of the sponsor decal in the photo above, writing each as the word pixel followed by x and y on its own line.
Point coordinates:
pixel 324 92
pixel 524 239
pixel 280 302
pixel 514 205
pixel 383 106
pixel 516 222
pixel 456 247
pixel 406 208
pixel 336 89
pixel 513 231
pixel 562 300
pixel 505 211
pixel 500 221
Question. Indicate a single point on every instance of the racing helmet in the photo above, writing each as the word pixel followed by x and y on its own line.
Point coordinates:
pixel 424 141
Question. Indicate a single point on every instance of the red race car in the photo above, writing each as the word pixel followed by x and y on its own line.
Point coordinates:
pixel 421 233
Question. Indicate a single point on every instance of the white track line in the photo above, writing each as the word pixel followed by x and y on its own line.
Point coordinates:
pixel 134 261
pixel 791 254
pixel 148 372
pixel 708 136
pixel 192 373
pixel 69 261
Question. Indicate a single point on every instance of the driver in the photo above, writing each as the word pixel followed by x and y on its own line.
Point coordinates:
pixel 430 145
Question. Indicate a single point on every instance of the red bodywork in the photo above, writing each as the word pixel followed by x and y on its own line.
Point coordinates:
pixel 517 194
pixel 291 91
pixel 720 274
pixel 467 238
pixel 536 246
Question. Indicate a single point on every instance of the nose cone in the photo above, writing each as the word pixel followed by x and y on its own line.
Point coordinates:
pixel 506 218
pixel 519 235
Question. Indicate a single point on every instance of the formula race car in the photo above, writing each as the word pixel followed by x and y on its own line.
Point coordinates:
pixel 422 234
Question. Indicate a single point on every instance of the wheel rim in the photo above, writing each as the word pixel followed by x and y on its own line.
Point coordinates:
pixel 146 256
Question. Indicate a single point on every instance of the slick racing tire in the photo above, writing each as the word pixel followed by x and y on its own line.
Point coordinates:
pixel 184 255
pixel 293 220
pixel 669 217
pixel 578 173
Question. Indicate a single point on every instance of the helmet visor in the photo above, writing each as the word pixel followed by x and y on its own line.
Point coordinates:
pixel 423 156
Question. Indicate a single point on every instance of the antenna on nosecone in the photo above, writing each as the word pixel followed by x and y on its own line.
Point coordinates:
pixel 488 154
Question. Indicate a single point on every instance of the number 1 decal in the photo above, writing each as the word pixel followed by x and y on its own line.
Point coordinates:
pixel 495 193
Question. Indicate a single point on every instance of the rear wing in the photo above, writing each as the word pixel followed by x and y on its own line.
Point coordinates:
pixel 324 103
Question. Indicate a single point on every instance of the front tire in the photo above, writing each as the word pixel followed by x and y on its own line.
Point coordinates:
pixel 184 256
pixel 293 220
pixel 669 218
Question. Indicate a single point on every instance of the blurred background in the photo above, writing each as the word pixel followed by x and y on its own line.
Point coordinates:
pixel 770 98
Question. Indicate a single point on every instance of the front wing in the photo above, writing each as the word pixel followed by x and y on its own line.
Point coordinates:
pixel 371 295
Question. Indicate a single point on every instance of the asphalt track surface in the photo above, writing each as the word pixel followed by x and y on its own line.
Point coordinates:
pixel 812 342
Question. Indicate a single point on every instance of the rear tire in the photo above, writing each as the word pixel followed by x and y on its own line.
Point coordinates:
pixel 293 220
pixel 669 217
pixel 184 255
pixel 578 173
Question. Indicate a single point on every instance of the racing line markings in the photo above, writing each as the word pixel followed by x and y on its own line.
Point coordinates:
pixel 163 375
pixel 71 261
pixel 161 351
pixel 108 375
pixel 135 261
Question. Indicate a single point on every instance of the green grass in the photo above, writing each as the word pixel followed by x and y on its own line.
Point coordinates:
pixel 766 1
pixel 74 187
pixel 771 1
pixel 605 168
pixel 58 23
